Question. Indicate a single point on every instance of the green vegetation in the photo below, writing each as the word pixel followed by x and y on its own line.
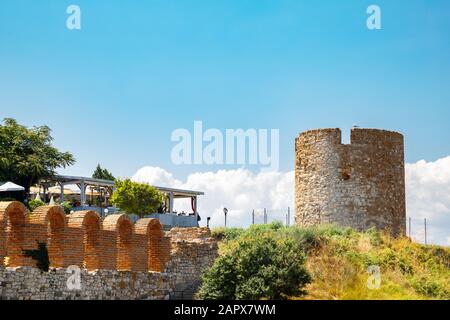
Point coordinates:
pixel 337 261
pixel 259 263
pixel 102 173
pixel 137 198
pixel 33 204
pixel 26 154
pixel 67 206
pixel 226 234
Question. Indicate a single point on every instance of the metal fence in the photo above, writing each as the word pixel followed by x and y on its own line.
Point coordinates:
pixel 426 231
pixel 420 230
pixel 264 216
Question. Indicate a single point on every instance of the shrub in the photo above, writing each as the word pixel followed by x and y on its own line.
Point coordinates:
pixel 33 204
pixel 67 206
pixel 433 288
pixel 261 263
pixel 226 234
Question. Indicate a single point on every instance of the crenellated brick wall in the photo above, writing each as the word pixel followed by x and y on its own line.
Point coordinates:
pixel 82 239
pixel 118 259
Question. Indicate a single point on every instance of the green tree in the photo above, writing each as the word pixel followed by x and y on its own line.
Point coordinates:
pixel 137 198
pixel 102 173
pixel 261 263
pixel 26 154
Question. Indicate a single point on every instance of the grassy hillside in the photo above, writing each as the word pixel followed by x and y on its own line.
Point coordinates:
pixel 337 262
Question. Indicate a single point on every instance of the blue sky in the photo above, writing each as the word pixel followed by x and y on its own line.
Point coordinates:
pixel 115 90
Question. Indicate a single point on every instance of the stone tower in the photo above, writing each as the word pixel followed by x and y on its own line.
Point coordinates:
pixel 361 184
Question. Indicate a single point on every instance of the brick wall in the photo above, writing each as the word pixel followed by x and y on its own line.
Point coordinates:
pixel 83 239
pixel 118 259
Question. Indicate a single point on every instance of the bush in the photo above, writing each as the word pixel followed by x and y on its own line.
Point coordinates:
pixel 226 234
pixel 67 206
pixel 261 263
pixel 33 204
pixel 433 288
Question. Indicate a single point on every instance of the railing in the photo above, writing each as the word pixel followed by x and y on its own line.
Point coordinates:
pixel 103 212
pixel 264 216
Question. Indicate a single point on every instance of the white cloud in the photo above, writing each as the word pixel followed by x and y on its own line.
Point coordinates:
pixel 428 196
pixel 156 176
pixel 240 191
pixel 427 190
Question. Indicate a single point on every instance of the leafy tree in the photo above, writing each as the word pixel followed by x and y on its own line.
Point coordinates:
pixel 137 198
pixel 102 173
pixel 26 154
pixel 261 263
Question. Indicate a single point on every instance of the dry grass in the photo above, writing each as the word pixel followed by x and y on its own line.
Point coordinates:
pixel 408 271
pixel 338 260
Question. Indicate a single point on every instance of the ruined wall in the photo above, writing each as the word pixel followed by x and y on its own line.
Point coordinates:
pixel 361 184
pixel 119 259
pixel 188 255
pixel 29 283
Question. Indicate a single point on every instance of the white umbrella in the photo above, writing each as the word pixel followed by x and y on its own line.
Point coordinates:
pixel 9 187
pixel 52 201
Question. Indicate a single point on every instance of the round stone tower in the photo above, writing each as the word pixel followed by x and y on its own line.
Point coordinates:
pixel 361 184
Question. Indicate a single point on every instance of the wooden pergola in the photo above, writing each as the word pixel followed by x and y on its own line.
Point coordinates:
pixel 82 183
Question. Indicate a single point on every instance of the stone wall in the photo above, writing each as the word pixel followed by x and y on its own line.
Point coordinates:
pixel 191 248
pixel 117 259
pixel 361 184
pixel 29 283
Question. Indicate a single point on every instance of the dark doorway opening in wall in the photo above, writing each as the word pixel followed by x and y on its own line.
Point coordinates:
pixel 345 176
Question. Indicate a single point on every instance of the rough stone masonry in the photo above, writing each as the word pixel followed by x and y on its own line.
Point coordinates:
pixel 361 184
